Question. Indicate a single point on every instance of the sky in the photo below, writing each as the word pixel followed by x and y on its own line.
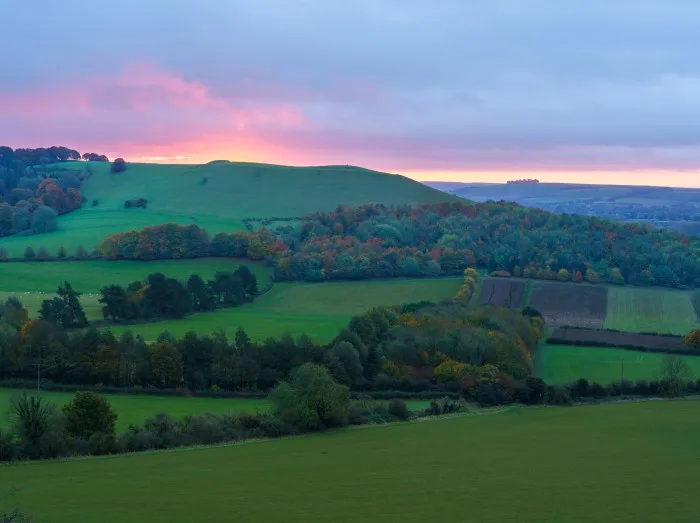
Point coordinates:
pixel 589 91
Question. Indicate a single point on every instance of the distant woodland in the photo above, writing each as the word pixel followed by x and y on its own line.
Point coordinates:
pixel 376 241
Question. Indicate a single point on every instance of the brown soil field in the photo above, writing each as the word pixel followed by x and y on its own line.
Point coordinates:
pixel 502 293
pixel 563 304
pixel 618 339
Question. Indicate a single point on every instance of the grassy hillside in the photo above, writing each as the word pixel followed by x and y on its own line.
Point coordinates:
pixel 650 310
pixel 631 463
pixel 317 309
pixel 216 196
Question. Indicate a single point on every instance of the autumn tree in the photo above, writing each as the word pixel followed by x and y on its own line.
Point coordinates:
pixel 692 340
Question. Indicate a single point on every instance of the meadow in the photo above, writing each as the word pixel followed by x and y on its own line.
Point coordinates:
pixel 631 462
pixel 567 363
pixel 637 309
pixel 132 408
pixel 216 196
pixel 319 310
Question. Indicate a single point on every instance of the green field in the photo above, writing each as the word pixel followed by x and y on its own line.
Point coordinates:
pixel 215 196
pixel 136 408
pixel 317 309
pixel 567 363
pixel 35 282
pixel 650 310
pixel 623 463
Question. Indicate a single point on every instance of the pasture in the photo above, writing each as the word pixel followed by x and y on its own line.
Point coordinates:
pixel 132 408
pixel 215 196
pixel 624 463
pixel 319 310
pixel 637 309
pixel 567 363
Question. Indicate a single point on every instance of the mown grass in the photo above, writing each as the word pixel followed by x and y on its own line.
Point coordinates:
pixel 319 310
pixel 650 310
pixel 136 408
pixel 35 282
pixel 624 463
pixel 567 363
pixel 216 196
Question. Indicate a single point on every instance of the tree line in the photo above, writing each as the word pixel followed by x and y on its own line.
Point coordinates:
pixel 376 241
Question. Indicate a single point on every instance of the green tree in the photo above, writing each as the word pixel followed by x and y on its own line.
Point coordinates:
pixel 89 413
pixel 81 253
pixel 37 425
pixel 311 399
pixel 29 253
pixel 343 360
pixel 62 252
pixel 675 375
pixel 44 219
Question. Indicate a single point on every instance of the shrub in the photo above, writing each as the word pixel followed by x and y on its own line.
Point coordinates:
pixel 399 410
pixel 43 253
pixel 62 252
pixel 29 253
pixel 95 203
pixel 558 395
pixel 100 444
pixel 38 426
pixel 81 252
pixel 9 448
pixel 3 254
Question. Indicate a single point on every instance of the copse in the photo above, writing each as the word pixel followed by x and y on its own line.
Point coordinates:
pixel 118 166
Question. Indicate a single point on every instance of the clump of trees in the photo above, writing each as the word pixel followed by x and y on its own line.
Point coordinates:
pixel 118 166
pixel 34 188
pixel 159 296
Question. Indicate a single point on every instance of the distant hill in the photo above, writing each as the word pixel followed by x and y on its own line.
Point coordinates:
pixel 668 207
pixel 216 196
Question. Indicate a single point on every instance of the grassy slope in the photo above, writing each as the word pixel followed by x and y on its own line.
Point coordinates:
pixel 319 310
pixel 37 281
pixel 633 463
pixel 176 193
pixel 650 310
pixel 135 409
pixel 567 363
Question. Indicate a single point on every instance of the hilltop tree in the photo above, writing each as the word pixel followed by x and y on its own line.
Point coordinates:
pixel 118 166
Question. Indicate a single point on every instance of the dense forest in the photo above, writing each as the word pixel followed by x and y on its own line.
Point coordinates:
pixel 408 347
pixel 34 189
pixel 375 241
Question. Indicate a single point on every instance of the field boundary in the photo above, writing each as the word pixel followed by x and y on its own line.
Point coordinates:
pixel 644 342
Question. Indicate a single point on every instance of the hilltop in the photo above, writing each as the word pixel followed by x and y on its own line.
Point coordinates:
pixel 216 196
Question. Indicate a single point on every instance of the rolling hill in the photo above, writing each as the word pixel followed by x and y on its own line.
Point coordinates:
pixel 670 207
pixel 216 196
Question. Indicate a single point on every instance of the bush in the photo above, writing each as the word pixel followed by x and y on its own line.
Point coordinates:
pixel 558 395
pixel 399 410
pixel 9 448
pixel 95 203
pixel 43 253
pixel 61 253
pixel 29 253
pixel 100 444
pixel 444 406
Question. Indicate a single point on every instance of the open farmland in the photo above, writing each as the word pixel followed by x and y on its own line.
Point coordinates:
pixel 131 408
pixel 568 304
pixel 633 462
pixel 567 363
pixel 317 309
pixel 216 196
pixel 622 339
pixel 502 292
pixel 637 309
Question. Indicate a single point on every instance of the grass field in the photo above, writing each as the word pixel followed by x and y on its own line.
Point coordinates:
pixel 136 408
pixel 567 363
pixel 623 463
pixel 35 282
pixel 216 196
pixel 650 310
pixel 317 309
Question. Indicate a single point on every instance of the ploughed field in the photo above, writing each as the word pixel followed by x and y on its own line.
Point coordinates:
pixel 569 304
pixel 565 335
pixel 502 292
pixel 623 463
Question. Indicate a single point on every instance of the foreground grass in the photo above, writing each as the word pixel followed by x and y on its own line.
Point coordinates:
pixel 567 363
pixel 319 310
pixel 634 462
pixel 650 310
pixel 216 196
pixel 135 409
